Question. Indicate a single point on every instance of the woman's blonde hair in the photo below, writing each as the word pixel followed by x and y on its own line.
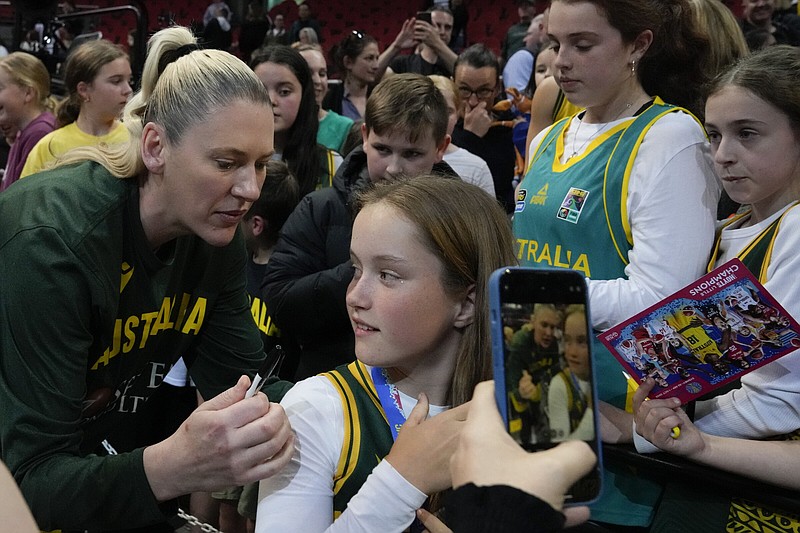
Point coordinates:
pixel 27 70
pixel 161 44
pixel 189 89
pixel 83 65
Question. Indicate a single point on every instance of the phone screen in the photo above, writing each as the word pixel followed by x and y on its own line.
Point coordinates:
pixel 543 364
pixel 424 16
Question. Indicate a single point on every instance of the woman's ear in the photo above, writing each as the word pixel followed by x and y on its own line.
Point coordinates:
pixel 153 148
pixel 465 314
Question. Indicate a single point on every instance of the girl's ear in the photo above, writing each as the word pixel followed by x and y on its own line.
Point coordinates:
pixel 30 94
pixel 641 45
pixel 465 313
pixel 83 91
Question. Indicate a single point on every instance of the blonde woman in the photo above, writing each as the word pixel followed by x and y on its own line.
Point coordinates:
pixel 131 261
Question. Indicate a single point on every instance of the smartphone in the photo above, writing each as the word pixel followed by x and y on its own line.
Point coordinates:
pixel 424 16
pixel 543 365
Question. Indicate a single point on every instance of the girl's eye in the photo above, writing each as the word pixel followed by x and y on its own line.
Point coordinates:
pixel 714 137
pixel 389 276
pixel 284 92
pixel 356 272
pixel 747 134
pixel 223 164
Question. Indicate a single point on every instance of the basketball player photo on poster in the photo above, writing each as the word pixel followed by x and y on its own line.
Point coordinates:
pixel 709 333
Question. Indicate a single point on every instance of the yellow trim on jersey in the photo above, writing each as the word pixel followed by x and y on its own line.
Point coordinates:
pixel 351 446
pixel 762 274
pixel 331 167
pixel 558 166
pixel 623 204
pixel 715 251
pixel 359 371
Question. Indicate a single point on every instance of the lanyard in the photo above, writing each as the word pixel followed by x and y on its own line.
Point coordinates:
pixel 393 407
pixel 390 400
pixel 577 386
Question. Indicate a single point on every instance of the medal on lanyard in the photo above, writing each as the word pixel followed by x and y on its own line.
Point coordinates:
pixel 393 407
pixel 390 400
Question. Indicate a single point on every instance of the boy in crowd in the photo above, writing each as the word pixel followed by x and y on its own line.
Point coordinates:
pixel 404 134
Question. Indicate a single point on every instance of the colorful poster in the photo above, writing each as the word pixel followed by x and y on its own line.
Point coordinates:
pixel 709 333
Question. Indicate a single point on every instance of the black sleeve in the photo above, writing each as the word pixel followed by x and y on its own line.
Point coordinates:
pixel 500 509
pixel 306 279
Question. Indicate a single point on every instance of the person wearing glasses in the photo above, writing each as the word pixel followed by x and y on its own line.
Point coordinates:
pixel 480 129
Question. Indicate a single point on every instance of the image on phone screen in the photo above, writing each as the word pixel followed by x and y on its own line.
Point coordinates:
pixel 546 362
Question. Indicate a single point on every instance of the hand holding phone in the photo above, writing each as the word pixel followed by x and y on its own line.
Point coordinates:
pixel 542 362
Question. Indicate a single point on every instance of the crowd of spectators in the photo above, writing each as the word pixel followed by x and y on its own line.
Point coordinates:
pixel 269 190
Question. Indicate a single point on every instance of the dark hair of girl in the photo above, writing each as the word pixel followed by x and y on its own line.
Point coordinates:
pixel 672 67
pixel 301 152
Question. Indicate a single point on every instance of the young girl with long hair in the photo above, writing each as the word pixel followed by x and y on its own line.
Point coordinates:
pixel 418 307
pixel 287 77
pixel 97 79
pixel 26 108
pixel 753 122
pixel 333 127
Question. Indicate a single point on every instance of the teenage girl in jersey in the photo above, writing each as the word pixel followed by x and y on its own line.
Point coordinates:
pixel 418 307
pixel 97 80
pixel 753 122
pixel 287 77
pixel 25 108
pixel 333 127
pixel 624 191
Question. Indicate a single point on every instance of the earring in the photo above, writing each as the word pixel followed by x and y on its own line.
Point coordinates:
pixel 633 67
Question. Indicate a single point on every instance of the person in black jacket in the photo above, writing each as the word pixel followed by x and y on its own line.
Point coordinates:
pixel 404 134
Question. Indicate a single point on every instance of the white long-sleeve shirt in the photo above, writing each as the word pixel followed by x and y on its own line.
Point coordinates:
pixel 768 401
pixel 300 497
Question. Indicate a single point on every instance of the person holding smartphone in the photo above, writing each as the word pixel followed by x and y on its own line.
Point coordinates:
pixel 498 486
pixel 428 33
